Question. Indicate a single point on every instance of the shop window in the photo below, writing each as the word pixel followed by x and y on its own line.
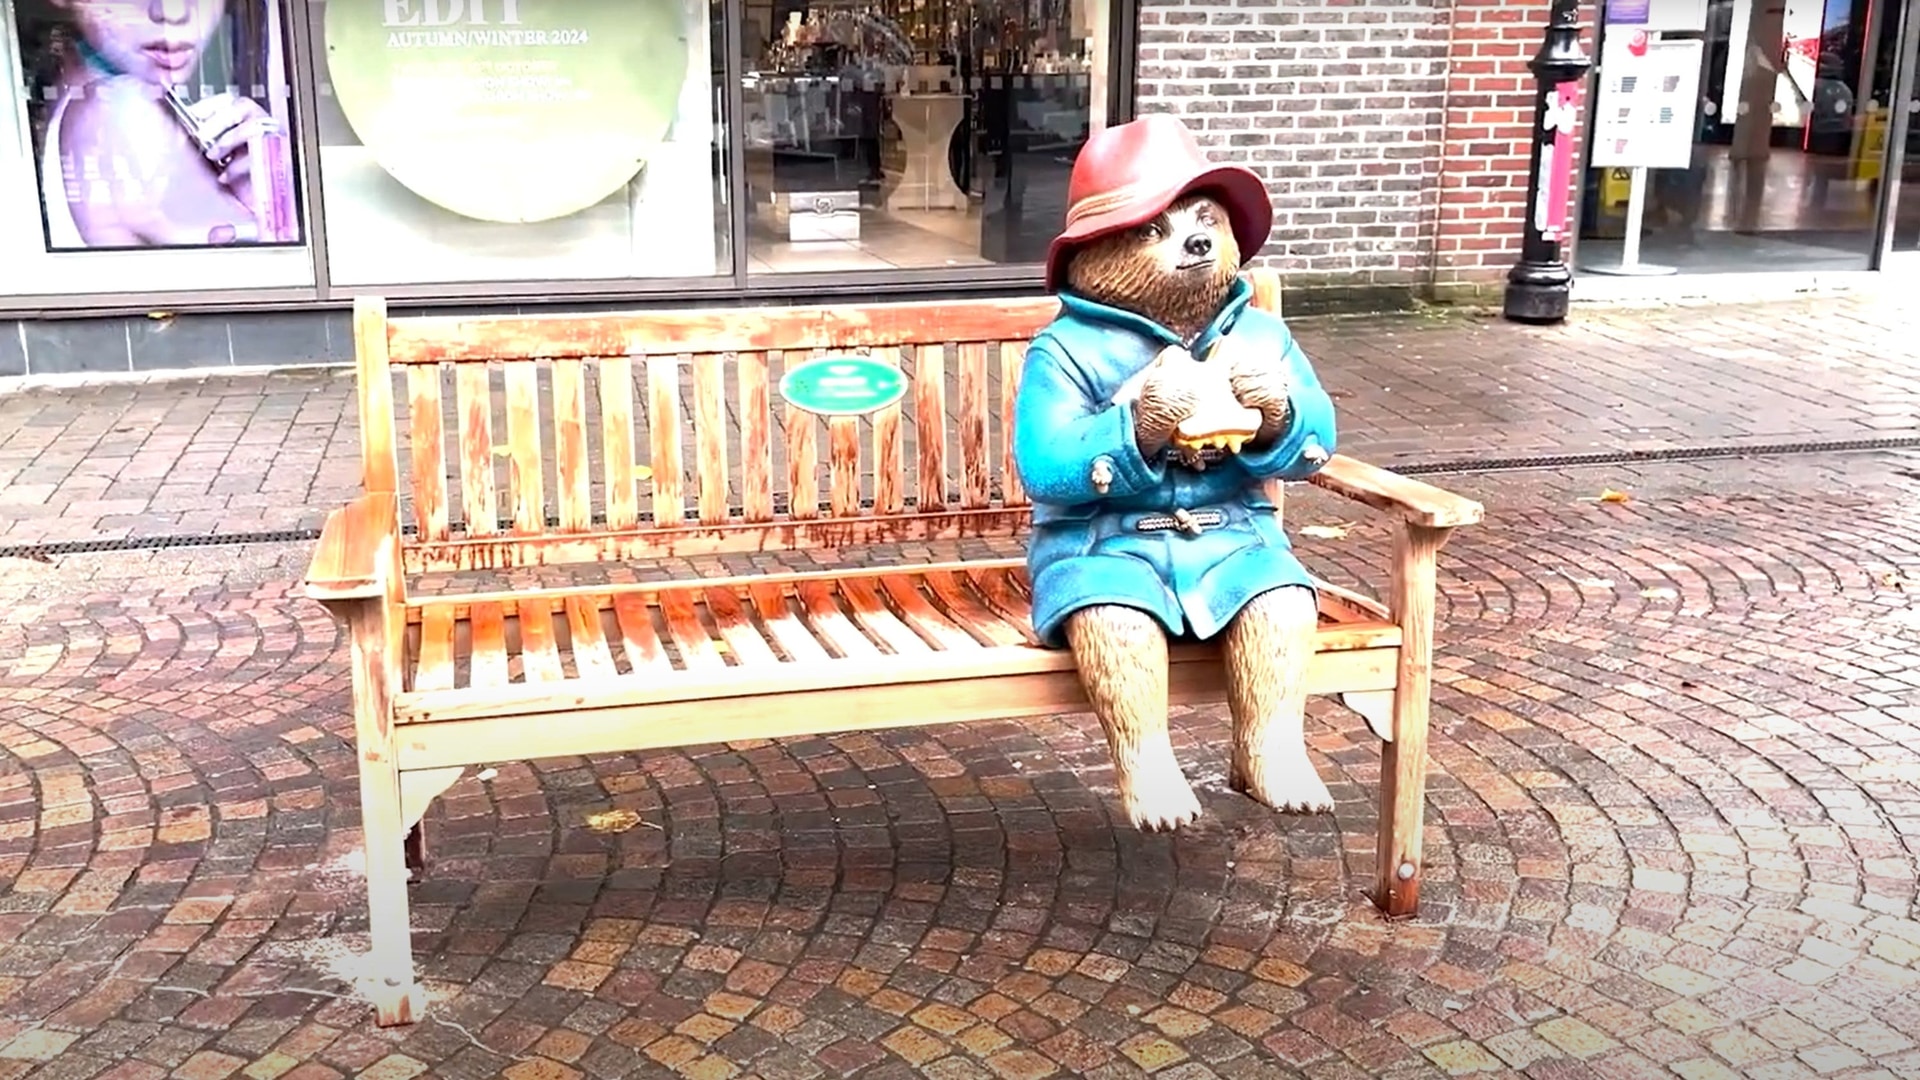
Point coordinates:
pixel 517 140
pixel 908 134
pixel 1738 135
pixel 148 144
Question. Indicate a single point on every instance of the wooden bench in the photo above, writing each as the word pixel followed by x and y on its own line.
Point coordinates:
pixel 621 439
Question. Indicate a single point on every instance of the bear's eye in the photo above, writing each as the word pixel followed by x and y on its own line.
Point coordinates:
pixel 1151 232
pixel 1206 216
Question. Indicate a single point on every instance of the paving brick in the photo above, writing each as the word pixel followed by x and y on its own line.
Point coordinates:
pixel 1717 680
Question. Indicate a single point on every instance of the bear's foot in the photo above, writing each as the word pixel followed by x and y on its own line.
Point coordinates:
pixel 1286 782
pixel 1155 795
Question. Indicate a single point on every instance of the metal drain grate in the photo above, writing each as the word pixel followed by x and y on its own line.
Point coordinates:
pixel 1678 453
pixel 41 552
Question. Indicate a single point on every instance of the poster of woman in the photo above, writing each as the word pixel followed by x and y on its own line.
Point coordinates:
pixel 160 123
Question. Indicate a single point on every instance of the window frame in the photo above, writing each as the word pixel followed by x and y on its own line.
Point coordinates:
pixel 732 287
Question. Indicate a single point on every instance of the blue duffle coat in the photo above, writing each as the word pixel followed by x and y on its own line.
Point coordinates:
pixel 1085 548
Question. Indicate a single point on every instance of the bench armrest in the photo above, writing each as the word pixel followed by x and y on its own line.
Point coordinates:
pixel 354 557
pixel 1418 503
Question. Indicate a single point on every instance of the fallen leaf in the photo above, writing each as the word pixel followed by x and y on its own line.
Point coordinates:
pixel 1326 532
pixel 643 472
pixel 613 821
pixel 1608 495
pixel 1658 593
pixel 1688 684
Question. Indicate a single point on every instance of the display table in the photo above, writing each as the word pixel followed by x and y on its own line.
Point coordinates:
pixel 927 123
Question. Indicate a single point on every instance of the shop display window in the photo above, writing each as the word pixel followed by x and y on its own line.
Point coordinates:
pixel 1757 130
pixel 914 134
pixel 520 140
pixel 146 142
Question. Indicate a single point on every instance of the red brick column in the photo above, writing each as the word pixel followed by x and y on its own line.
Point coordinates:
pixel 1485 141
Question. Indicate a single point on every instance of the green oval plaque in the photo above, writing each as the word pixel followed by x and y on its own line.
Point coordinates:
pixel 843 385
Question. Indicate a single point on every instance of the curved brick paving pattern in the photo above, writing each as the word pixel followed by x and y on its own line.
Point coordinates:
pixel 1675 817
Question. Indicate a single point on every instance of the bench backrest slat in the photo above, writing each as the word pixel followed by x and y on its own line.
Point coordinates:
pixel 552 438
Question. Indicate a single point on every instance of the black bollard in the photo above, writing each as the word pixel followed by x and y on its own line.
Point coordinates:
pixel 1540 284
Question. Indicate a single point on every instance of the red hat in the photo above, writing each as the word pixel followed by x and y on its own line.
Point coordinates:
pixel 1127 174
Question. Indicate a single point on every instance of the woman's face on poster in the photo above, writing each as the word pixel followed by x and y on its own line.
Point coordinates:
pixel 158 41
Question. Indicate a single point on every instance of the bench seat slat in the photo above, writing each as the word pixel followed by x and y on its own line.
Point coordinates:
pixel 489 633
pixel 637 635
pixel 1025 682
pixel 770 601
pixel 966 610
pixel 870 610
pixel 930 622
pixel 591 657
pixel 688 635
pixel 810 699
pixel 539 653
pixel 435 670
pixel 829 623
pixel 996 586
pixel 956 621
pixel 743 638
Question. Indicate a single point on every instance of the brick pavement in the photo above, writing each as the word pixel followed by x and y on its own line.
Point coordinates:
pixel 224 454
pixel 1674 829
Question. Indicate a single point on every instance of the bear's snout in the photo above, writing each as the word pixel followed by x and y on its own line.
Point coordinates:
pixel 1200 245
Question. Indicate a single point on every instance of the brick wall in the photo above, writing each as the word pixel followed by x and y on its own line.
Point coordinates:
pixel 1338 105
pixel 1488 138
pixel 1392 133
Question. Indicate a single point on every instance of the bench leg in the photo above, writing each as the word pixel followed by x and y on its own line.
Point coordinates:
pixel 415 851
pixel 375 628
pixel 1403 762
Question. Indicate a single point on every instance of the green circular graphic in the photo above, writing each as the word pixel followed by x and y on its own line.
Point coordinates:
pixel 843 385
pixel 508 110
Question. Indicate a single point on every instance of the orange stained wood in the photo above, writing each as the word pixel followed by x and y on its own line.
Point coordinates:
pixel 616 442
pixel 710 436
pixel 976 469
pixel 792 622
pixel 599 458
pixel 692 451
pixel 930 426
pixel 426 448
pixel 423 340
pixel 756 438
pixel 570 442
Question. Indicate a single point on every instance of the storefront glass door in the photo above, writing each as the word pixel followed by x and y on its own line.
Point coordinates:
pixel 1904 250
pixel 1789 131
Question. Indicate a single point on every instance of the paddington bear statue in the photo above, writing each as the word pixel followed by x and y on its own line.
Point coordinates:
pixel 1149 414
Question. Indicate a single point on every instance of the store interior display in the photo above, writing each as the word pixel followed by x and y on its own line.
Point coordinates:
pixel 1787 148
pixel 914 133
pixel 580 140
